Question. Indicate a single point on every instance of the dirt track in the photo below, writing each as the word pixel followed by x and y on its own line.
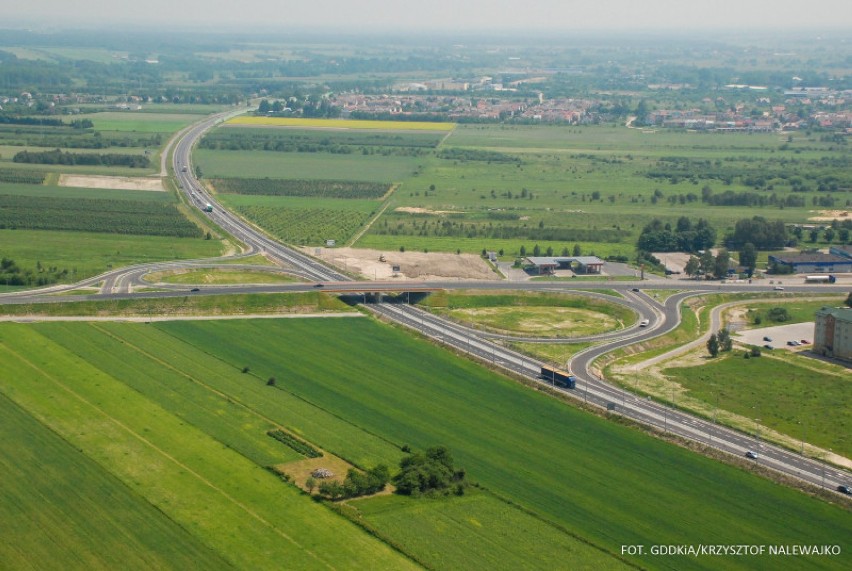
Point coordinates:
pixel 412 265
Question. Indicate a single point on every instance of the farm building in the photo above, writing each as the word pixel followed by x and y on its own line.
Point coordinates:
pixel 812 263
pixel 546 265
pixel 833 332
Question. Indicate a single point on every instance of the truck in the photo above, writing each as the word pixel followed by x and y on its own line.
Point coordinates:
pixel 820 279
pixel 208 207
pixel 559 378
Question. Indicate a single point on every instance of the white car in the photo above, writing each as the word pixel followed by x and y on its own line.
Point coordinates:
pixel 779 288
pixel 752 455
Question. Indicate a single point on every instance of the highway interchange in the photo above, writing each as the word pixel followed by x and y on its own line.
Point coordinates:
pixel 662 318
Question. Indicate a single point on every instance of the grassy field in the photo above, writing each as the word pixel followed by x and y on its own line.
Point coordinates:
pixel 480 530
pixel 341 388
pixel 181 460
pixel 565 485
pixel 59 508
pixel 342 124
pixel 800 311
pixel 536 314
pixel 788 394
pixel 86 254
pixel 50 191
pixel 314 166
pixel 220 276
pixel 233 304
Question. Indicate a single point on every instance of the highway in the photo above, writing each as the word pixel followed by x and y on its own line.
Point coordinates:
pixel 662 317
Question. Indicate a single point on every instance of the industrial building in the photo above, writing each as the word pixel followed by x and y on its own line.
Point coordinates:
pixel 833 333
pixel 812 263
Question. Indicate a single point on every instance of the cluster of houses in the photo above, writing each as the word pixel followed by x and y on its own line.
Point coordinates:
pixel 561 109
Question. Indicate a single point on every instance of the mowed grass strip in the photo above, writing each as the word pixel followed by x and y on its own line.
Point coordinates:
pixel 609 484
pixel 480 531
pixel 246 513
pixel 792 397
pixel 342 124
pixel 61 509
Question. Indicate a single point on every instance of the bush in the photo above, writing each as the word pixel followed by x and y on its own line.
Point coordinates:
pixel 299 446
pixel 430 473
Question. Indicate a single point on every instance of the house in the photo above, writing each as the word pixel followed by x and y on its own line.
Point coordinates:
pixel 833 333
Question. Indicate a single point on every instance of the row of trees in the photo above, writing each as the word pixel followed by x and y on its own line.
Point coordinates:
pixel 57 157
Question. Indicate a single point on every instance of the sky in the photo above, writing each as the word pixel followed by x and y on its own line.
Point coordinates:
pixel 436 15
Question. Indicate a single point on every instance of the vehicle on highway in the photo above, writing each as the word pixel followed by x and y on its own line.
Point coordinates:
pixel 183 168
pixel 636 289
pixel 644 323
pixel 319 285
pixel 195 289
pixel 768 339
pixel 208 207
pixel 751 455
pixel 845 490
pixel 778 288
pixel 558 378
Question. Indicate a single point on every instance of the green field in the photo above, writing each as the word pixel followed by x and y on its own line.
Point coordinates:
pixel 481 531
pixel 60 508
pixel 341 388
pixel 536 314
pixel 221 276
pixel 789 395
pixel 86 254
pixel 187 449
pixel 207 305
pixel 318 166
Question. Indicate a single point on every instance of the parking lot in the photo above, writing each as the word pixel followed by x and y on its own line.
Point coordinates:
pixel 779 334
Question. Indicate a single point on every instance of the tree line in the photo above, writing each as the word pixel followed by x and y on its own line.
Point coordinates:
pixel 57 157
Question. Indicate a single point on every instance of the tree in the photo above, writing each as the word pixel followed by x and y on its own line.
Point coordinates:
pixel 310 484
pixel 578 251
pixel 536 250
pixel 722 263
pixel 828 235
pixel 523 251
pixel 813 235
pixel 270 382
pixel 748 258
pixel 692 267
pixel 429 473
pixel 848 301
pixel 713 345
pixel 724 339
pixel 778 314
pixel 707 262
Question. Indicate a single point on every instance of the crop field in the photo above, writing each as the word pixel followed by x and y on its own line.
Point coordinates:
pixel 787 394
pixel 368 402
pixel 286 187
pixel 60 506
pixel 135 122
pixel 237 137
pixel 545 315
pixel 86 254
pixel 151 218
pixel 76 192
pixel 342 124
pixel 180 452
pixel 300 220
pixel 310 166
pixel 473 531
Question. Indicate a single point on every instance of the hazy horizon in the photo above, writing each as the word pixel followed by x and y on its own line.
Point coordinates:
pixel 473 16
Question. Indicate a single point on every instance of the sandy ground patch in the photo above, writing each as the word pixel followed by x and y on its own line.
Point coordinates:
pixel 152 184
pixel 415 210
pixel 829 215
pixel 412 265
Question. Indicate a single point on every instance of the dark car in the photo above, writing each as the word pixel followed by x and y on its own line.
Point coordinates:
pixel 195 289
pixel 319 285
pixel 845 490
pixel 636 289
pixel 767 339
pixel 768 346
